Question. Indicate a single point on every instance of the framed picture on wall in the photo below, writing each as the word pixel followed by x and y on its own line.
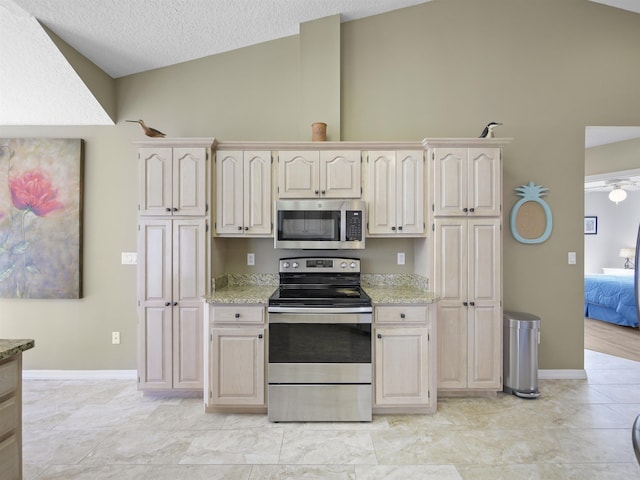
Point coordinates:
pixel 590 225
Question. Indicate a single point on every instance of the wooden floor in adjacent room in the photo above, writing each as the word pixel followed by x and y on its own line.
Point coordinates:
pixel 612 339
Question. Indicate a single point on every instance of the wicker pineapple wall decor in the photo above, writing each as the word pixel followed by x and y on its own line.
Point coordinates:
pixel 531 219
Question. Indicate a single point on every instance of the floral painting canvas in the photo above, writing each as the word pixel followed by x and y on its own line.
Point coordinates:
pixel 41 218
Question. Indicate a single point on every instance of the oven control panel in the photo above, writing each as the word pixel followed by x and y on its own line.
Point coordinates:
pixel 319 264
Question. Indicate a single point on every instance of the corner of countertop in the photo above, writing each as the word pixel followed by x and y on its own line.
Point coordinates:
pixel 11 347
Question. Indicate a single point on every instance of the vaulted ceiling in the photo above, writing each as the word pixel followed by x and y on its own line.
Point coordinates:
pixel 122 37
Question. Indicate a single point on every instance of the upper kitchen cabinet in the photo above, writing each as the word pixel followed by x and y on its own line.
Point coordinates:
pixel 466 181
pixel 395 193
pixel 173 177
pixel 319 173
pixel 243 193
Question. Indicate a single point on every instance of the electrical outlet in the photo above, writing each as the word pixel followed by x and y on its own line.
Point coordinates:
pixel 251 258
pixel 115 338
pixel 400 258
pixel 572 258
pixel 129 258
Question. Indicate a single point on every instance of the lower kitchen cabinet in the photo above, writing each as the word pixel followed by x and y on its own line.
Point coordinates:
pixel 404 359
pixel 11 418
pixel 235 376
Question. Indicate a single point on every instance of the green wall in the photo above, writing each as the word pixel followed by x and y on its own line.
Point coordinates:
pixel 544 68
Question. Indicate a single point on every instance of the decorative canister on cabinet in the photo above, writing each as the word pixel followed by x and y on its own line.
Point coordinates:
pixel 318 131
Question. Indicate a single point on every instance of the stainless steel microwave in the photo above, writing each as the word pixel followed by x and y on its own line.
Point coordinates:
pixel 320 224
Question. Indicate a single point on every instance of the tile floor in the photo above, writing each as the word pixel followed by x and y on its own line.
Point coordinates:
pixel 578 429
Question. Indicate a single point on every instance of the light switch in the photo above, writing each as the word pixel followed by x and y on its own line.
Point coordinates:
pixel 572 258
pixel 129 258
pixel 400 258
pixel 251 258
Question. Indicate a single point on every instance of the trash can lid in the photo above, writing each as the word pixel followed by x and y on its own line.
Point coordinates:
pixel 520 315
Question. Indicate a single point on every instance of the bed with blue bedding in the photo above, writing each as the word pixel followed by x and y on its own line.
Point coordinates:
pixel 611 298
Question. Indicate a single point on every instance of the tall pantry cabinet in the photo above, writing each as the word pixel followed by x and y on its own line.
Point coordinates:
pixel 466 267
pixel 173 220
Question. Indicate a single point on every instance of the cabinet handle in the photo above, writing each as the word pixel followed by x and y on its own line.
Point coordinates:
pixel 167 304
pixel 246 228
pixel 473 304
pixel 465 304
pixel 379 336
pixel 175 304
pixel 465 209
pixel 259 335
pixel 323 192
pixel 402 315
pixel 167 209
pixel 393 228
pixel 240 228
pixel 472 210
pixel 175 209
pixel 400 227
pixel 316 192
pixel 237 315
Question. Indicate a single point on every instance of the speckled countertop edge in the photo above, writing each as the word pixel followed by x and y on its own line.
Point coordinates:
pixel 382 288
pixel 10 347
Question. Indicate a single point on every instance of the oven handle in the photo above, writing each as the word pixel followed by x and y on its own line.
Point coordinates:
pixel 312 310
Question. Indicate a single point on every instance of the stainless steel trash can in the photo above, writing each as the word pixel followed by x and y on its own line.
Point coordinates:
pixel 521 336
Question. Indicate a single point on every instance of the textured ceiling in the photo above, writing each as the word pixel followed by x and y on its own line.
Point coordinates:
pixel 123 37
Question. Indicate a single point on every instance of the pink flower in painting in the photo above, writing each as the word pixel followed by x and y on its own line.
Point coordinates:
pixel 33 191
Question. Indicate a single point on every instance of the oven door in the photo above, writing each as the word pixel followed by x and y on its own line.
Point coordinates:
pixel 319 347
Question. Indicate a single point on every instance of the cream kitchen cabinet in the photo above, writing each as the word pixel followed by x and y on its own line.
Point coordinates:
pixel 319 173
pixel 173 179
pixel 395 193
pixel 467 279
pixel 11 418
pixel 467 181
pixel 171 283
pixel 404 359
pixel 243 193
pixel 236 358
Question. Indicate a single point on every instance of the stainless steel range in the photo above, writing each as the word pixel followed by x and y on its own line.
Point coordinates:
pixel 319 365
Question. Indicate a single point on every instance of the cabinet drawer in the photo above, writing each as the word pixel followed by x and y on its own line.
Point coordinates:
pixel 8 377
pixel 10 458
pixel 238 314
pixel 9 415
pixel 401 314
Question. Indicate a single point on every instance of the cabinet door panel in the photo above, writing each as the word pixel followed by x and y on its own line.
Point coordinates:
pixel 190 181
pixel 188 260
pixel 237 366
pixel 450 181
pixel 155 181
pixel 382 193
pixel 401 366
pixel 156 348
pixel 257 193
pixel 154 260
pixel 340 174
pixel 485 347
pixel 452 334
pixel 485 181
pixel 410 191
pixel 298 174
pixel 187 346
pixel 485 265
pixel 229 192
pixel 451 259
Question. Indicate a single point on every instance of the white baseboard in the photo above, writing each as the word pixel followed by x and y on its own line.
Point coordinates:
pixel 562 374
pixel 79 375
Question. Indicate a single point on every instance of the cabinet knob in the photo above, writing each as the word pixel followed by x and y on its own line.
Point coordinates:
pixel 167 209
pixel 246 228
pixel 316 192
pixel 175 304
pixel 237 315
pixel 402 315
pixel 167 304
pixel 400 227
pixel 465 209
pixel 240 228
pixel 259 335
pixel 175 209
pixel 379 336
pixel 472 210
pixel 323 192
pixel 473 304
pixel 393 228
pixel 465 304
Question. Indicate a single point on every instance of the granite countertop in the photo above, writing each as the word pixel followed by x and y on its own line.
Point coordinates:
pixel 383 289
pixel 9 348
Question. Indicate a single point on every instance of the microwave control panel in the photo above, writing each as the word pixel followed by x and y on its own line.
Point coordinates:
pixel 354 225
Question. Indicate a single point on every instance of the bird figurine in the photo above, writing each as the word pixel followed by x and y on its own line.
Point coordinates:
pixel 488 130
pixel 148 131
